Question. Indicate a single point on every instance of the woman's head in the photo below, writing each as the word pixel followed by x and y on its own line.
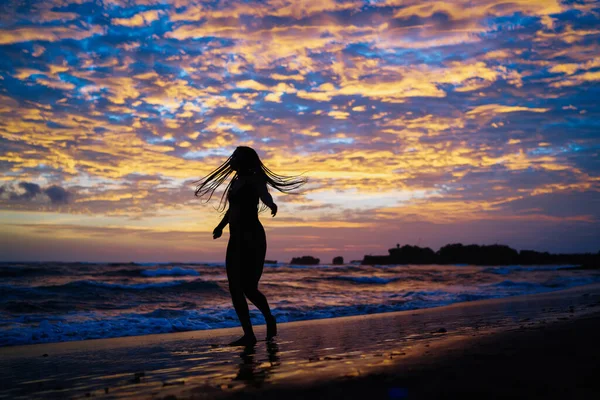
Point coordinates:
pixel 243 161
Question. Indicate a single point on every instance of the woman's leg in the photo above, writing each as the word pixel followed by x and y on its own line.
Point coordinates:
pixel 253 269
pixel 252 274
pixel 236 288
pixel 259 300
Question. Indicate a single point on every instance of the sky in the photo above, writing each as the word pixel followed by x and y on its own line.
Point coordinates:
pixel 416 122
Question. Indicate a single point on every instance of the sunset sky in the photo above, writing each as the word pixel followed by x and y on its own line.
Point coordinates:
pixel 416 122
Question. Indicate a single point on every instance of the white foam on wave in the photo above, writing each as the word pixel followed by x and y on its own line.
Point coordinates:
pixel 85 326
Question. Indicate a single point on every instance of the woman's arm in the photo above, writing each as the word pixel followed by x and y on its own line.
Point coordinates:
pixel 266 197
pixel 224 221
pixel 218 231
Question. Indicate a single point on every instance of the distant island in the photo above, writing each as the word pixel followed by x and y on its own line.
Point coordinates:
pixel 305 260
pixel 339 260
pixel 474 254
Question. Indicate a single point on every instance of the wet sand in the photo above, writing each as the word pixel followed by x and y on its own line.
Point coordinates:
pixel 536 346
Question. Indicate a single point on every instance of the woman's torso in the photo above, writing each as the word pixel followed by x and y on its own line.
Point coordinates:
pixel 243 204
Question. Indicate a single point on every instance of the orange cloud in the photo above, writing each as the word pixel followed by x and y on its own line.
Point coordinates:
pixel 141 19
pixel 48 34
pixel 491 109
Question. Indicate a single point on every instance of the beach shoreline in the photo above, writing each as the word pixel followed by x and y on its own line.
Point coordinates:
pixel 313 355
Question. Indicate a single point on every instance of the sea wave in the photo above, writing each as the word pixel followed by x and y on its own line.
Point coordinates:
pixel 511 269
pixel 30 307
pixel 91 326
pixel 196 284
pixel 100 300
pixel 554 283
pixel 177 271
pixel 16 271
pixel 163 320
pixel 516 284
pixel 363 279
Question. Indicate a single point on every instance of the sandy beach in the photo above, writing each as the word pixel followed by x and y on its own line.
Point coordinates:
pixel 539 346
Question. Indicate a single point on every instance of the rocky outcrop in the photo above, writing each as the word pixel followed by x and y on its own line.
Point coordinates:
pixel 305 260
pixel 339 260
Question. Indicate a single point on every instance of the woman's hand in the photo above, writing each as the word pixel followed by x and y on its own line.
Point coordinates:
pixel 273 209
pixel 217 232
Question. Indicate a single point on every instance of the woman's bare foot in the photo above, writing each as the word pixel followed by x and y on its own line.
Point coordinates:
pixel 245 340
pixel 271 327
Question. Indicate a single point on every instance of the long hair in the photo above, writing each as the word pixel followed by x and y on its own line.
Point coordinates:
pixel 248 161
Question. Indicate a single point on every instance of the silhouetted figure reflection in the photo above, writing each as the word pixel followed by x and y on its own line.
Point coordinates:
pixel 273 352
pixel 247 241
pixel 247 368
pixel 250 370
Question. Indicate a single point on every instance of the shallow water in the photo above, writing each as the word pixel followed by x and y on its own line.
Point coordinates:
pixel 53 302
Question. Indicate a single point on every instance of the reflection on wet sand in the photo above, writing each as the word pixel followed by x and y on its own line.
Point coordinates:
pixel 253 372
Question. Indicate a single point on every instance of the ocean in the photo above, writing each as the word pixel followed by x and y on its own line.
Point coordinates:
pixel 56 302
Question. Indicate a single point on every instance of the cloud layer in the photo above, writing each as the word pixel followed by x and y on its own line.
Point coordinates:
pixel 443 117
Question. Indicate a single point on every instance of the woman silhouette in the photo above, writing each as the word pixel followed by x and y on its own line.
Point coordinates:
pixel 247 241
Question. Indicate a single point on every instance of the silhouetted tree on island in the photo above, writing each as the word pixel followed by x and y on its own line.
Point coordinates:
pixel 477 255
pixel 474 254
pixel 305 260
pixel 412 255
